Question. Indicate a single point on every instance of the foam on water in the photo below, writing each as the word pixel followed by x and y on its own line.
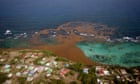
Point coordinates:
pixel 123 54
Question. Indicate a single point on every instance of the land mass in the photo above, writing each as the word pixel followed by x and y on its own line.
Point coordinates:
pixel 29 62
pixel 44 67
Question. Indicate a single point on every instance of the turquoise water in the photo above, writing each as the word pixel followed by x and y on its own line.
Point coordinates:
pixel 123 54
pixel 15 43
pixel 25 42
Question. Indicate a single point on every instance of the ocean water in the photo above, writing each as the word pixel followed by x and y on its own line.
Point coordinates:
pixel 15 43
pixel 128 26
pixel 124 54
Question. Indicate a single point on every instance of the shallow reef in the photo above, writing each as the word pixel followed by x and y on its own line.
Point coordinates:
pixel 123 53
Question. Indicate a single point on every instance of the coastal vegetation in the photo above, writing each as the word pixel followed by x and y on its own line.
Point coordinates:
pixel 3 77
pixel 42 66
pixel 37 66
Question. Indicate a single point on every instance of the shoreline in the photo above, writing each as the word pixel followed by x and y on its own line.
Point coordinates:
pixel 78 57
pixel 68 35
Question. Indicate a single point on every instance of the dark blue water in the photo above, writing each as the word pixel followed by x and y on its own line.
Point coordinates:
pixel 129 26
pixel 33 15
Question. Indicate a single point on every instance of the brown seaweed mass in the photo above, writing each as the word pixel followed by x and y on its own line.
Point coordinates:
pixel 67 36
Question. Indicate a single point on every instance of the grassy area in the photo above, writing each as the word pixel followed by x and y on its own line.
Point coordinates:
pixel 54 81
pixel 3 77
pixel 21 80
pixel 25 51
pixel 77 67
pixel 36 62
pixel 87 78
pixel 74 82
pixel 15 60
pixel 61 59
pixel 48 53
